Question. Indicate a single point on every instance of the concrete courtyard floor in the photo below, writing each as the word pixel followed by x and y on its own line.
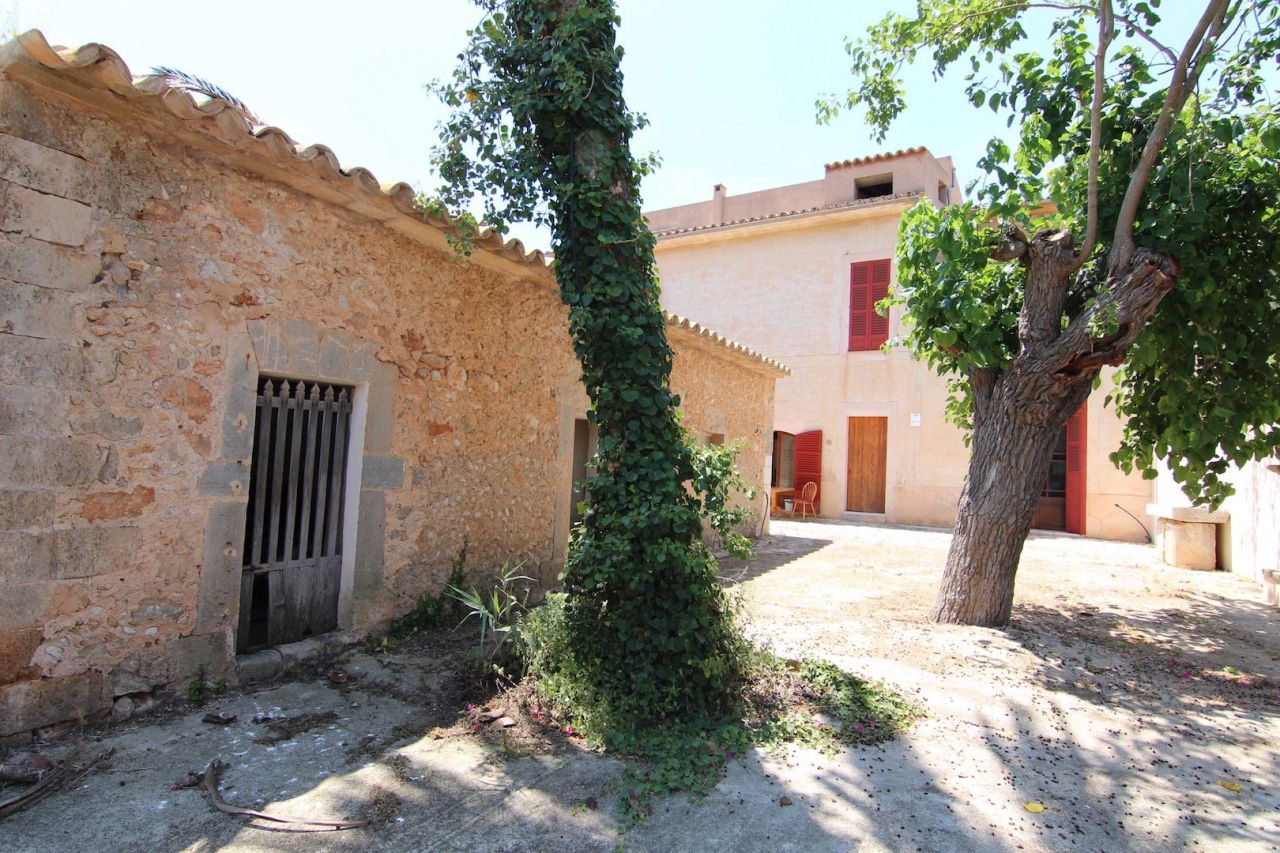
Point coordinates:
pixel 1138 704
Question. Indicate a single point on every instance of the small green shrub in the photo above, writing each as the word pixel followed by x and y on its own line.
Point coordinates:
pixel 497 610
pixel 543 642
pixel 715 481
pixel 197 689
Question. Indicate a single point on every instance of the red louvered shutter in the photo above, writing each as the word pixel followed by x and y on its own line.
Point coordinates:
pixel 859 305
pixel 878 327
pixel 868 284
pixel 1077 432
pixel 808 462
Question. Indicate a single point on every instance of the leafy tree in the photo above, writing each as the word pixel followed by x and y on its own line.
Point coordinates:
pixel 1164 160
pixel 540 132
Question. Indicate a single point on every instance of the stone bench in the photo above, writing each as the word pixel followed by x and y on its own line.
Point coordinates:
pixel 1187 536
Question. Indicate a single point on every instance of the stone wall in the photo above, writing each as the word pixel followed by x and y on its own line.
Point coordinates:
pixel 147 278
pixel 719 398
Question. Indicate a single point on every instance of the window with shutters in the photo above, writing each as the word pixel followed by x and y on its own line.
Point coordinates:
pixel 868 284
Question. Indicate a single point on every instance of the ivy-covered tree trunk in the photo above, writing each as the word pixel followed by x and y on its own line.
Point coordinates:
pixel 539 96
pixel 1019 411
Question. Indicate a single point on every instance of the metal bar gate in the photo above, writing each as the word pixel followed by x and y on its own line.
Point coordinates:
pixel 293 534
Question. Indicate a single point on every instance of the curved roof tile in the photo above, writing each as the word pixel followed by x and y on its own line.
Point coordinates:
pixel 785 214
pixel 96 66
pixel 876 158
pixel 678 322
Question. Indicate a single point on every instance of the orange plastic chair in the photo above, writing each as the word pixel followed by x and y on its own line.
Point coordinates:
pixel 804 503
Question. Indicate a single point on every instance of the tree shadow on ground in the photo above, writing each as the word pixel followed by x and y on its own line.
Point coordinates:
pixel 769 553
pixel 1212 655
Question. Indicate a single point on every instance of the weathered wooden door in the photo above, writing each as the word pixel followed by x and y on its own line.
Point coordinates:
pixel 293 535
pixel 868 448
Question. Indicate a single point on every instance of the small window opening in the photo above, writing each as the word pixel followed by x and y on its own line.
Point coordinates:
pixel 585 439
pixel 876 186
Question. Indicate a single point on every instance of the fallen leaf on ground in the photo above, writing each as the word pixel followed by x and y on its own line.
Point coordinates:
pixel 1233 787
pixel 784 800
pixel 1034 808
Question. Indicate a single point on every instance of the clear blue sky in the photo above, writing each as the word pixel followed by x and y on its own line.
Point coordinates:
pixel 728 85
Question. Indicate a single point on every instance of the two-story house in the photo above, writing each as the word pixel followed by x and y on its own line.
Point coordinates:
pixel 795 273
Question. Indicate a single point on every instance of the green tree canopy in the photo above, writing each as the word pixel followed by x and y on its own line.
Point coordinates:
pixel 1187 165
pixel 1158 253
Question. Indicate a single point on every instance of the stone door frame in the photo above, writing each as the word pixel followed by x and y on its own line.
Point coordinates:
pixel 300 349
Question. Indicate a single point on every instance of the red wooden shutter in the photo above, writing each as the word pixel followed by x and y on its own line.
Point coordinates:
pixel 868 284
pixel 878 328
pixel 859 305
pixel 808 462
pixel 1077 432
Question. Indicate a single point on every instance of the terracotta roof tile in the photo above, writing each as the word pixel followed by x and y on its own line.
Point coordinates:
pixel 786 214
pixel 684 323
pixel 876 158
pixel 96 66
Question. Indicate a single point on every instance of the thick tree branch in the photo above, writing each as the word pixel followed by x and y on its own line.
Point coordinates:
pixel 1186 73
pixel 1014 245
pixel 1106 31
pixel 1123 310
pixel 982 383
pixel 1049 262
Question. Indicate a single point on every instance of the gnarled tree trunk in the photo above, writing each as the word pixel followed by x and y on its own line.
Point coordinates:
pixel 1007 472
pixel 1019 411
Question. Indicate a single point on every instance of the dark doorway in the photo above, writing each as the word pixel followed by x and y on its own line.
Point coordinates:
pixel 585 440
pixel 293 533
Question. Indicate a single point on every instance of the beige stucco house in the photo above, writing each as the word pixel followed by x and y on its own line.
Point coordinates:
pixel 794 272
pixel 249 397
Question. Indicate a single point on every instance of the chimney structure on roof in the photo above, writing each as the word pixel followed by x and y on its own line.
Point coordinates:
pixel 717 205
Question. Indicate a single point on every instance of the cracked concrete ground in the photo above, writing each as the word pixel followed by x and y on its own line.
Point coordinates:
pixel 1138 704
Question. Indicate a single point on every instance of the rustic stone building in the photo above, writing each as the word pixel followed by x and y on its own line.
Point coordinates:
pixel 247 396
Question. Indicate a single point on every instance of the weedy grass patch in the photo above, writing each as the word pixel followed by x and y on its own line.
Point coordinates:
pixel 781 705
